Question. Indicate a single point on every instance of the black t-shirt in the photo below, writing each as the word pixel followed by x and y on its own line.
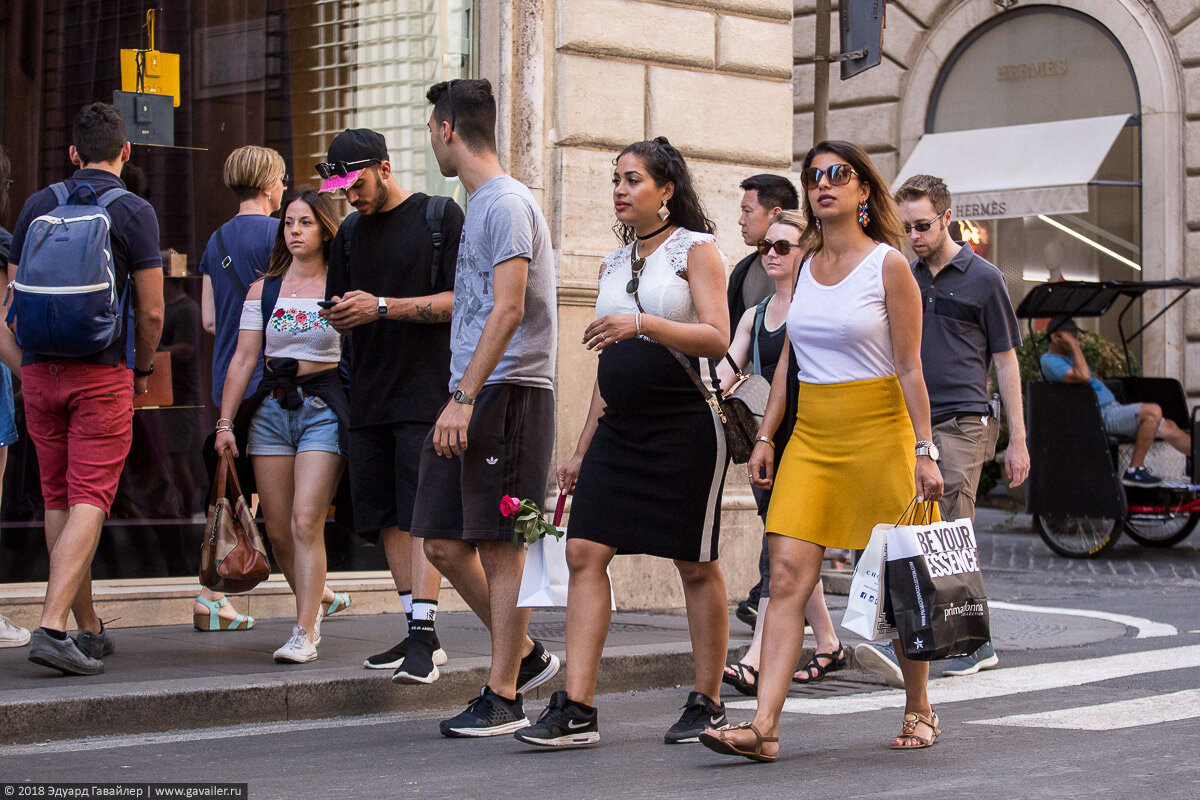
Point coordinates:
pixel 134 240
pixel 398 370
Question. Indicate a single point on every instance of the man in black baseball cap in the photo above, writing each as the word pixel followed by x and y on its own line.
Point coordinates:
pixel 394 289
pixel 351 152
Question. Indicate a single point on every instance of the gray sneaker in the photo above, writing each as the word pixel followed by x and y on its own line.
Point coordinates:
pixel 880 659
pixel 983 658
pixel 62 655
pixel 95 645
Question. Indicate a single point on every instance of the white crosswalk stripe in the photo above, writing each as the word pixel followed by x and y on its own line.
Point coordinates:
pixel 1110 716
pixel 1002 682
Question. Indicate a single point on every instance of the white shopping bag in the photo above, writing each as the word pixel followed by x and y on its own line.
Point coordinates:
pixel 864 608
pixel 544 580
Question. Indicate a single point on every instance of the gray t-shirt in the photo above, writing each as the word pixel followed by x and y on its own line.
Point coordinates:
pixel 503 221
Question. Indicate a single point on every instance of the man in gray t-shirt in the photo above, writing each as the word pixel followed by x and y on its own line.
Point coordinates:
pixel 495 436
pixel 504 222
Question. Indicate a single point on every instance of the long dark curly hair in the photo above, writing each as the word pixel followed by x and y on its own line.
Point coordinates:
pixel 666 165
pixel 884 225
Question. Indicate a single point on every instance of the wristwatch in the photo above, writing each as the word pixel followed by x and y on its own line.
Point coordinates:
pixel 928 449
pixel 381 309
pixel 462 397
pixel 144 373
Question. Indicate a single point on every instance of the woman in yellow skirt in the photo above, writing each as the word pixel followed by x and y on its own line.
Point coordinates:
pixel 861 447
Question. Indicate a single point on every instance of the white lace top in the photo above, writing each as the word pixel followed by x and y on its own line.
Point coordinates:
pixel 662 289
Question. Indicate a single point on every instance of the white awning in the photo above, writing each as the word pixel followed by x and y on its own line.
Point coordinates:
pixel 1017 170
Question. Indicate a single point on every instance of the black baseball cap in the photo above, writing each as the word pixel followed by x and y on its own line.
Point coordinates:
pixel 350 147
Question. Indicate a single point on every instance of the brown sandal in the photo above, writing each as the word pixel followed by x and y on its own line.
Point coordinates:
pixel 908 731
pixel 720 744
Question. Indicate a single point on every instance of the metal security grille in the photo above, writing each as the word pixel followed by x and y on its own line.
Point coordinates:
pixel 375 60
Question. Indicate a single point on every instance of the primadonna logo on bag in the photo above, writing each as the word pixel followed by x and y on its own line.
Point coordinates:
pixel 949 549
pixel 964 610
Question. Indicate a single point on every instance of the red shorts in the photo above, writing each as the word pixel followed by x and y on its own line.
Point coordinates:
pixel 80 419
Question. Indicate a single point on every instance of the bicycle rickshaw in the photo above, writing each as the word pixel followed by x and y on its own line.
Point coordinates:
pixel 1079 505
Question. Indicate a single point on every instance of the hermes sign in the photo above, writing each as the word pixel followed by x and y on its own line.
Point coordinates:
pixel 1042 69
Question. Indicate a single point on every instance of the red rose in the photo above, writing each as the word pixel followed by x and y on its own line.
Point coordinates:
pixel 279 312
pixel 509 505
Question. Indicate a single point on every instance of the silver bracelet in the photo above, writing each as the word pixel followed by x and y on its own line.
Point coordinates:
pixel 224 429
pixel 637 322
pixel 766 440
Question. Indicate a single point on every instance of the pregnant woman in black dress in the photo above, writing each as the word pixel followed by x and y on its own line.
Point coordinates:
pixel 650 465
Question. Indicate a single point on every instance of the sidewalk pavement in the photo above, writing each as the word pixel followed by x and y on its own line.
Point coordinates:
pixel 174 677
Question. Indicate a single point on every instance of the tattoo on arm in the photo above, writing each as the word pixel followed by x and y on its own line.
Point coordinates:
pixel 425 313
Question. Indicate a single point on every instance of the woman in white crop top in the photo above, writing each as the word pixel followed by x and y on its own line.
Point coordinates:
pixel 296 437
pixel 852 460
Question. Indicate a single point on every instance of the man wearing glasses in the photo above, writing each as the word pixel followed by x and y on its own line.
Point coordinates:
pixel 393 291
pixel 968 321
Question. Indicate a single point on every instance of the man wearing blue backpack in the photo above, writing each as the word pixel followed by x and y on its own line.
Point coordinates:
pixel 86 302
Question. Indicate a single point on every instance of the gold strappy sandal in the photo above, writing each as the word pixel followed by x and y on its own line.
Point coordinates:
pixel 908 731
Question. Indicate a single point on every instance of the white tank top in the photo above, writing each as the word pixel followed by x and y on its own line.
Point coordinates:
pixel 840 333
pixel 296 330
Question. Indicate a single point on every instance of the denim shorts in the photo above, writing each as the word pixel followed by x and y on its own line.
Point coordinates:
pixel 276 431
pixel 1120 419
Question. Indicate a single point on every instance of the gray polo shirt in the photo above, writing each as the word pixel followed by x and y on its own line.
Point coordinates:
pixel 967 318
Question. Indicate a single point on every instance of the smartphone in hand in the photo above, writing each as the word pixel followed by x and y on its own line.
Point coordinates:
pixel 327 303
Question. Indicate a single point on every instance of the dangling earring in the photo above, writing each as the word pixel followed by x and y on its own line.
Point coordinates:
pixel 818 223
pixel 664 213
pixel 863 216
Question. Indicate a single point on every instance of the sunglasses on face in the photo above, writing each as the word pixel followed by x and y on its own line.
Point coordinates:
pixel 922 227
pixel 780 246
pixel 343 168
pixel 838 175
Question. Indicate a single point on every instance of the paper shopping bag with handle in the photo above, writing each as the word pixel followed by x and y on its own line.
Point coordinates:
pixel 935 590
pixel 545 578
pixel 232 557
pixel 864 608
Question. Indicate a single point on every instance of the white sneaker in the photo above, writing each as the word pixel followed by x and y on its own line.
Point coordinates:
pixel 301 648
pixel 12 634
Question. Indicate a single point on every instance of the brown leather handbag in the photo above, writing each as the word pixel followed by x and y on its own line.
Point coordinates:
pixel 232 557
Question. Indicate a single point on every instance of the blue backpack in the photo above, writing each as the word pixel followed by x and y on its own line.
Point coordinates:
pixel 65 297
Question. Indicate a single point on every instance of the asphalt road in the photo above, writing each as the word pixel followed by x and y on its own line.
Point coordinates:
pixel 1116 715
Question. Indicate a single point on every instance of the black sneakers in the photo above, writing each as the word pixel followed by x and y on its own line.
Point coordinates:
pixel 61 654
pixel 418 665
pixel 536 668
pixel 564 723
pixel 699 713
pixel 1140 477
pixel 393 658
pixel 487 715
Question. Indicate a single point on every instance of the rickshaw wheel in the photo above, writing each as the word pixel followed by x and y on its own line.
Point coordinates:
pixel 1162 533
pixel 1078 537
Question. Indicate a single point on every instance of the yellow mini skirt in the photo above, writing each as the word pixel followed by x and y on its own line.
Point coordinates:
pixel 848 465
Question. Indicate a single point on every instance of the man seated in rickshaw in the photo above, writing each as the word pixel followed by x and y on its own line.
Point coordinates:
pixel 1141 422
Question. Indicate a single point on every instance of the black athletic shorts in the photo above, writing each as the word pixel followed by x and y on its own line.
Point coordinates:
pixel 384 467
pixel 510 442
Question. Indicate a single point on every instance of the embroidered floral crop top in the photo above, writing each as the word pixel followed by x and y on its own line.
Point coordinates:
pixel 295 330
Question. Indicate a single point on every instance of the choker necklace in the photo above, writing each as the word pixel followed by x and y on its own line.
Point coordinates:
pixel 652 235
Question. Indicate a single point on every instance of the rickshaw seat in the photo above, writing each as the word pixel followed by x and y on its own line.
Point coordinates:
pixel 1071 466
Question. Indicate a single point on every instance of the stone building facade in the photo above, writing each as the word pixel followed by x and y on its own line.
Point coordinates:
pixel 889 108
